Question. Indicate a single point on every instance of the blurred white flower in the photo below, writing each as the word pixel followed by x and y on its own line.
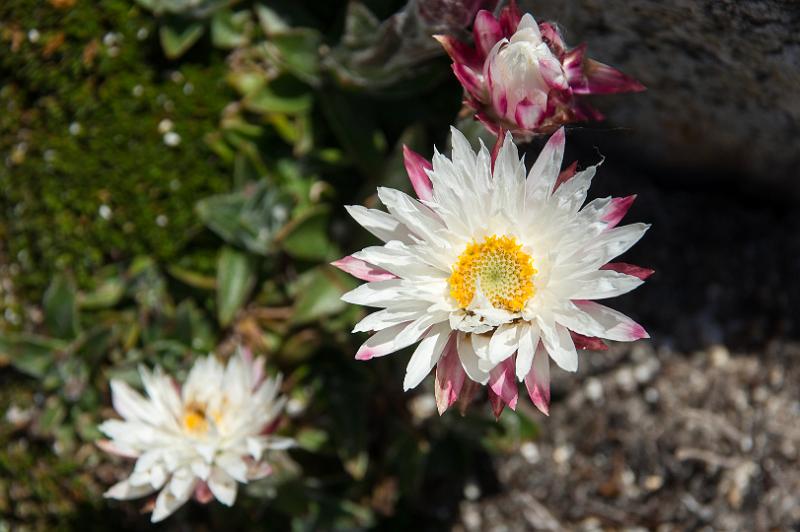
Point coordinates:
pixel 199 439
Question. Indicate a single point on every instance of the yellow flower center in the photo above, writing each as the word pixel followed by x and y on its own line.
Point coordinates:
pixel 504 271
pixel 194 420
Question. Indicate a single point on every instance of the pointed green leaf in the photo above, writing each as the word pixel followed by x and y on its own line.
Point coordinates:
pixel 176 38
pixel 60 307
pixel 235 279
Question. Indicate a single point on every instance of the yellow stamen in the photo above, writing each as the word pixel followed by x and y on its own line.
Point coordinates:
pixel 194 420
pixel 505 273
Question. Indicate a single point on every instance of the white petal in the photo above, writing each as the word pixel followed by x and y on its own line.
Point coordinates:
pixel 559 345
pixel 545 170
pixel 528 341
pixel 375 294
pixel 480 343
pixel 504 342
pixel 382 319
pixel 382 225
pixel 124 491
pixel 222 486
pixel 399 259
pixel 129 403
pixel 170 500
pixel 419 219
pixel 469 360
pixel 600 284
pixel 233 465
pixel 426 355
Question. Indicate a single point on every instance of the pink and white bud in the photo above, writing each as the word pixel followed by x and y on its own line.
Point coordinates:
pixel 519 75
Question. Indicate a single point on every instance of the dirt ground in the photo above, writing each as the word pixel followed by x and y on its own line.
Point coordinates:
pixel 698 428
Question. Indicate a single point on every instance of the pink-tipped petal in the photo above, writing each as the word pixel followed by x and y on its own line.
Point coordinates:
pixel 527 114
pixel 112 448
pixel 509 18
pixel 604 79
pixel 496 402
pixel 537 382
pixel 629 269
pixel 502 383
pixel 498 144
pixel 566 174
pixel 362 270
pixel 588 342
pixel 552 73
pixel 468 392
pixel 469 80
pixel 488 123
pixel 487 32
pixel 450 377
pixel 417 167
pixel 202 493
pixel 572 63
pixel 618 209
pixel 552 37
pixel 459 52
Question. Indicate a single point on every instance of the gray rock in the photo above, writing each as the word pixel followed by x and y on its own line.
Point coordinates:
pixel 723 79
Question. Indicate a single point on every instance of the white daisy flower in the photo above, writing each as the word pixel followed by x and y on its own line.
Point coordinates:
pixel 199 439
pixel 492 272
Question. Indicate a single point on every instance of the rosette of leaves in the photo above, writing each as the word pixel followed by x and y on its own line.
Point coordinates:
pixel 395 55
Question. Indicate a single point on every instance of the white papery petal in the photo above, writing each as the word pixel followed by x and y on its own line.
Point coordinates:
pixel 381 224
pixel 172 497
pixel 559 345
pixel 528 341
pixel 426 356
pixel 223 486
pixel 504 342
pixel 470 360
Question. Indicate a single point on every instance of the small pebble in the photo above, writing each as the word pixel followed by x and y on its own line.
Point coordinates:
pixel 471 491
pixel 75 129
pixel 594 390
pixel 561 454
pixel 653 482
pixel 137 91
pixel 172 139
pixel 719 355
pixel 161 220
pixel 34 35
pixel 165 126
pixel 105 212
pixel 530 452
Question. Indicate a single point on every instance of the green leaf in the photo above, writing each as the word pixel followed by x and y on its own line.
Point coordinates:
pixel 60 307
pixel 296 51
pixel 29 354
pixel 107 294
pixel 192 328
pixel 319 292
pixel 235 280
pixel 231 30
pixel 270 21
pixel 355 130
pixel 249 217
pixel 306 237
pixel 280 96
pixel 177 37
pixel 193 279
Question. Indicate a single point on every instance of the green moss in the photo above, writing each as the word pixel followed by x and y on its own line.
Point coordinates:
pixel 79 138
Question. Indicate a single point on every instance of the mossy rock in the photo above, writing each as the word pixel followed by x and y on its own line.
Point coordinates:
pixel 87 176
